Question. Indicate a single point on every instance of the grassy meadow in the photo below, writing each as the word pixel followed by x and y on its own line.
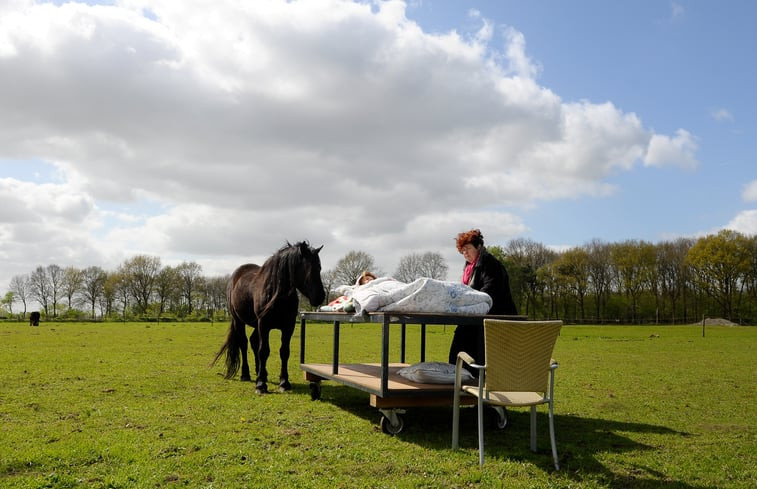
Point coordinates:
pixel 122 405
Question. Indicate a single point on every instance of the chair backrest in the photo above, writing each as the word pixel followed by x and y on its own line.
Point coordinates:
pixel 518 354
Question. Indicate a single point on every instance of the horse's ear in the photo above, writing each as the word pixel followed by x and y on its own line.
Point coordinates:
pixel 318 250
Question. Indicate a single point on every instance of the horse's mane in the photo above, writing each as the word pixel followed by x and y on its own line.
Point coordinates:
pixel 278 273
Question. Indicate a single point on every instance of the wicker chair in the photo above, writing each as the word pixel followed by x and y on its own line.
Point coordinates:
pixel 519 372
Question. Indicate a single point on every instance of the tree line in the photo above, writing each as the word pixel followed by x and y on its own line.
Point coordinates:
pixel 633 281
pixel 140 288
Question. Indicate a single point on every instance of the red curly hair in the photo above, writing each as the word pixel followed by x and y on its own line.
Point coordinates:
pixel 473 237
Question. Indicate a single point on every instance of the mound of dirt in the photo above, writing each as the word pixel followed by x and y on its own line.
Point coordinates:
pixel 718 322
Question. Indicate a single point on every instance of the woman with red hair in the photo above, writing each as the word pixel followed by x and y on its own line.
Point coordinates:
pixel 482 271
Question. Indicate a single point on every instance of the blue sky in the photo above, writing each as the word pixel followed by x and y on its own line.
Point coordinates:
pixel 216 133
pixel 682 64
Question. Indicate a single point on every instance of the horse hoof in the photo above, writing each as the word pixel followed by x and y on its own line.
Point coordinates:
pixel 245 378
pixel 285 387
pixel 261 389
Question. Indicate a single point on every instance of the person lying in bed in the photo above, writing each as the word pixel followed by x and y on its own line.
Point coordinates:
pixel 344 301
pixel 422 295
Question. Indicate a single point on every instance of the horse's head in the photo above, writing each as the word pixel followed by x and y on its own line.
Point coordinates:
pixel 308 276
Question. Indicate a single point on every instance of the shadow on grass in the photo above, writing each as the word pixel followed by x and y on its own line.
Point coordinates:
pixel 580 441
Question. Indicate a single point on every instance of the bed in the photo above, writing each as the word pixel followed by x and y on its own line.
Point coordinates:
pixel 386 294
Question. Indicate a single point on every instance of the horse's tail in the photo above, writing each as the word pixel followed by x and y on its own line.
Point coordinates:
pixel 235 341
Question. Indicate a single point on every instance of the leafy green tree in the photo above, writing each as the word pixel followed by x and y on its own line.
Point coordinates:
pixel 8 300
pixel 721 263
pixel 111 289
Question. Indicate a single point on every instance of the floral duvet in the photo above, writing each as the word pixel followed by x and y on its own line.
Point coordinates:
pixel 421 295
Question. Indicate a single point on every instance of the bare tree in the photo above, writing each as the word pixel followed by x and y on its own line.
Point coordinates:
pixel 600 274
pixel 328 277
pixel 93 286
pixel 416 265
pixel 631 260
pixel 190 278
pixel 55 273
pixel 121 290
pixel 40 288
pixel 351 266
pixel 21 289
pixel 524 258
pixel 139 274
pixel 671 266
pixel 216 292
pixel 73 280
pixel 573 267
pixel 166 288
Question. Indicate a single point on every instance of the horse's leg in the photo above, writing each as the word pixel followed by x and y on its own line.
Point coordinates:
pixel 241 328
pixel 264 351
pixel 286 336
pixel 255 346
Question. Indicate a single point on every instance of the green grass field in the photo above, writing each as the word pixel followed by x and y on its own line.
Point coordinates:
pixel 136 405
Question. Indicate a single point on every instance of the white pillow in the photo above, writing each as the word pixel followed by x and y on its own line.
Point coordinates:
pixel 434 373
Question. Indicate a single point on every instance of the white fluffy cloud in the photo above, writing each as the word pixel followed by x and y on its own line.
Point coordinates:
pixel 249 123
pixel 745 222
pixel 678 150
pixel 750 191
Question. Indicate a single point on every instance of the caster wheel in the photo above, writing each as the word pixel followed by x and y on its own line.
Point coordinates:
pixel 315 391
pixel 392 429
pixel 501 417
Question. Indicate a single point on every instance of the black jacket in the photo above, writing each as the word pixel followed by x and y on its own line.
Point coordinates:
pixel 490 276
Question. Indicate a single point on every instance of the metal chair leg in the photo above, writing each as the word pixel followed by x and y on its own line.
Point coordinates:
pixel 456 420
pixel 552 435
pixel 533 429
pixel 480 431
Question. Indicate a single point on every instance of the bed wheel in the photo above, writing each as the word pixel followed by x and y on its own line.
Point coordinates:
pixel 392 421
pixel 500 417
pixel 315 391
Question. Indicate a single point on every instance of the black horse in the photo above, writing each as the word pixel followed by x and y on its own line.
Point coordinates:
pixel 266 298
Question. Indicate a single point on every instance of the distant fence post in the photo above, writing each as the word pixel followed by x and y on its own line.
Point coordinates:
pixel 704 320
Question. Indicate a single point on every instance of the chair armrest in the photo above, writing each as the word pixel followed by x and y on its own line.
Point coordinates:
pixel 469 360
pixel 464 357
